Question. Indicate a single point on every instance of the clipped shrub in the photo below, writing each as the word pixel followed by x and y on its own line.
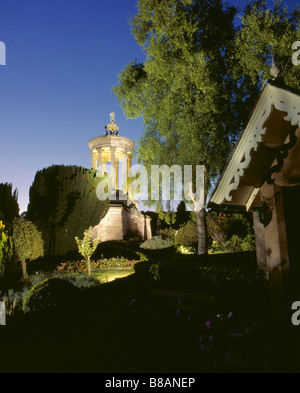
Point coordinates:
pixel 187 235
pixel 157 243
pixel 6 249
pixel 234 278
pixel 63 203
pixel 50 294
pixel 28 242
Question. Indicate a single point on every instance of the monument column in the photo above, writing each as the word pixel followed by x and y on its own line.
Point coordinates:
pixel 100 160
pixel 129 161
pixel 124 172
pixel 93 161
pixel 94 155
pixel 104 164
pixel 113 165
pixel 116 173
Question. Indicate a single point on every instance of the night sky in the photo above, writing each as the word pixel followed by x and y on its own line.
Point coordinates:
pixel 63 57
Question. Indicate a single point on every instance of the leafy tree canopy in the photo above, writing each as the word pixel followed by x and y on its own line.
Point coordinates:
pixel 184 88
pixel 267 34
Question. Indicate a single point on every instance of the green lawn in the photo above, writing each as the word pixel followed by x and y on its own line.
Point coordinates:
pixel 111 274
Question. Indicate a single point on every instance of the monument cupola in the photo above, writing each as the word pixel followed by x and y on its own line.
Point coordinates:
pixel 114 149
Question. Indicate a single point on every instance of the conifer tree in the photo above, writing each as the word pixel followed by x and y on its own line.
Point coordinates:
pixel 63 203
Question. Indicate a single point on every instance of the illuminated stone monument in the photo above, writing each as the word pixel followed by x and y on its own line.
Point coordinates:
pixel 122 218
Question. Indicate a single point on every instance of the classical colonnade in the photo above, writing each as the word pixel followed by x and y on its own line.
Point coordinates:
pixel 101 155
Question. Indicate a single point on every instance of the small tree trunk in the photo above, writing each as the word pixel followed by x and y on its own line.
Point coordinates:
pixel 89 266
pixel 201 229
pixel 24 269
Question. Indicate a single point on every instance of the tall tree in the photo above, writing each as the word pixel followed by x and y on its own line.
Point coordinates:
pixel 201 77
pixel 182 216
pixel 9 207
pixel 183 90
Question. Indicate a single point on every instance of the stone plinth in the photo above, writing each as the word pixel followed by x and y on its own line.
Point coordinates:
pixel 121 221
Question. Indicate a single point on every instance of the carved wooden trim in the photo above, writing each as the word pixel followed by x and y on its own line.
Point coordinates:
pixel 271 97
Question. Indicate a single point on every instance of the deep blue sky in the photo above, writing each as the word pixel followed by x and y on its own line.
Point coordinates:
pixel 63 57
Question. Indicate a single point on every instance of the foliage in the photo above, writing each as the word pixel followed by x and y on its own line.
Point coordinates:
pixel 266 33
pixel 230 232
pixel 87 247
pixel 48 294
pixel 167 233
pixel 63 203
pixel 182 86
pixel 9 207
pixel 236 272
pixel 187 235
pixel 185 250
pixel 157 243
pixel 222 226
pixel 6 249
pixel 154 271
pixel 235 244
pixel 184 89
pixel 201 77
pixel 76 277
pixel 96 265
pixel 28 242
pixel 182 215
pixel 168 217
pixel 14 301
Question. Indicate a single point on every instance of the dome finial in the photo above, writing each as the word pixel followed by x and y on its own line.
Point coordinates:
pixel 112 126
pixel 274 70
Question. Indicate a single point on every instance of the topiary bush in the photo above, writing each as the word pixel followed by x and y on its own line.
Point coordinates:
pixel 187 235
pixel 63 203
pixel 28 242
pixel 50 294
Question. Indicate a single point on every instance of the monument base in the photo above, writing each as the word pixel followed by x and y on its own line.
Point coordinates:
pixel 122 221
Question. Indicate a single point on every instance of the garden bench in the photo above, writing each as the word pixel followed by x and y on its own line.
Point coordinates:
pixel 175 309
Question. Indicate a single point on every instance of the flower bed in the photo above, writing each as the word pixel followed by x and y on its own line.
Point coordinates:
pixel 105 263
